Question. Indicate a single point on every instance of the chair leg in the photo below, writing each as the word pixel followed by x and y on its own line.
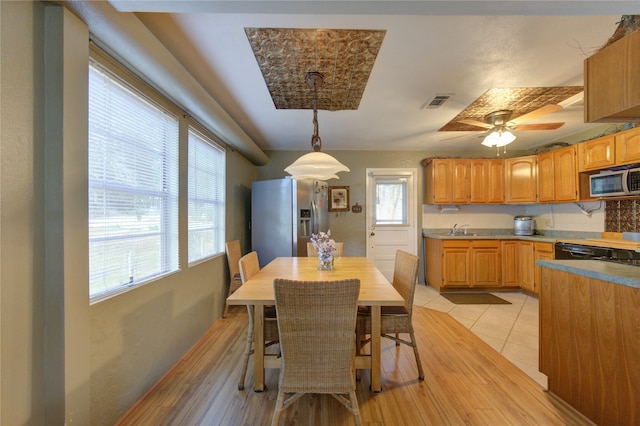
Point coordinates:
pixel 278 410
pixel 247 353
pixel 354 407
pixel 226 310
pixel 415 351
pixel 397 337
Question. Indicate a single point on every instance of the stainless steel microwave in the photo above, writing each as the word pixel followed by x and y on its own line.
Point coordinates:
pixel 615 183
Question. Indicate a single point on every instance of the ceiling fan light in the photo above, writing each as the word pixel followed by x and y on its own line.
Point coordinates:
pixel 492 139
pixel 506 138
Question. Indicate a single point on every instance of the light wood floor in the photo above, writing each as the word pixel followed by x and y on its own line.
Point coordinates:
pixel 466 382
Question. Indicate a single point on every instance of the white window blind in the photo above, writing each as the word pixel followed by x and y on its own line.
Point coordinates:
pixel 133 186
pixel 206 178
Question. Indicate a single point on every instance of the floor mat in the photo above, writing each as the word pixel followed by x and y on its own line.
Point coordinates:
pixel 474 299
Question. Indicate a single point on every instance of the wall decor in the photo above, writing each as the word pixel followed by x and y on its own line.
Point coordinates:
pixel 338 198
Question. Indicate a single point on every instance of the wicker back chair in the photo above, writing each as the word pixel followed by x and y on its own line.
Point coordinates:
pixel 248 266
pixel 233 256
pixel 312 252
pixel 396 319
pixel 317 322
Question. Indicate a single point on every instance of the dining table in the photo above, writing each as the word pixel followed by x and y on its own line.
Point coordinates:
pixel 375 291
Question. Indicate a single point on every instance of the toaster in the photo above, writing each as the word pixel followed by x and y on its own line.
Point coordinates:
pixel 523 225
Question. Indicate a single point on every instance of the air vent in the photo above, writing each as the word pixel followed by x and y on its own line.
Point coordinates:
pixel 437 101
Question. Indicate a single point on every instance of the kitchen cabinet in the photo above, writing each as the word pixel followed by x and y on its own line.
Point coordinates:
pixel 486 268
pixel 456 265
pixel 486 181
pixel 541 251
pixel 589 346
pixel 612 82
pixel 596 154
pixel 564 174
pixel 526 263
pixel 521 179
pixel 463 263
pixel 438 176
pixel 546 190
pixel 627 148
pixel 460 170
pixel 510 273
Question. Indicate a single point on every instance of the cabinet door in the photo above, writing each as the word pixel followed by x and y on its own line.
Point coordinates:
pixel 438 182
pixel 596 154
pixel 564 163
pixel 455 264
pixel 546 177
pixel 460 180
pixel 628 147
pixel 478 188
pixel 542 251
pixel 509 251
pixel 486 269
pixel 520 180
pixel 526 265
pixel 496 181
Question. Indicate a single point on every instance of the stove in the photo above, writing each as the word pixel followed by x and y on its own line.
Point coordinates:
pixel 566 250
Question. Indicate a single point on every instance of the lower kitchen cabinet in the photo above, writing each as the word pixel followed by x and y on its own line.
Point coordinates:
pixel 589 345
pixel 510 273
pixel 486 269
pixel 526 263
pixel 463 263
pixel 542 251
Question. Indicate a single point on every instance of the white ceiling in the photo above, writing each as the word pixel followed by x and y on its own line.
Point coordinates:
pixel 431 47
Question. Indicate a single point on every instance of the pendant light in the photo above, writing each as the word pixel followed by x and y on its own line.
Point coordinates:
pixel 316 164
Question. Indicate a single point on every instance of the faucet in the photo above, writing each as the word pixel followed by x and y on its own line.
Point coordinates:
pixel 455 228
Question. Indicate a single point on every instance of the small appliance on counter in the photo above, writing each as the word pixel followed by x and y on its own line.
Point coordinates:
pixel 523 225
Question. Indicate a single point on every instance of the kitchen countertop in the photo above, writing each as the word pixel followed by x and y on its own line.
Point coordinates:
pixel 617 273
pixel 485 235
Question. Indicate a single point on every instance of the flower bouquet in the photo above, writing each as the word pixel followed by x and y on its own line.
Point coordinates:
pixel 325 247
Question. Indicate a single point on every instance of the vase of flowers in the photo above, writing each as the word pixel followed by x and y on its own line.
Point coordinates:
pixel 326 247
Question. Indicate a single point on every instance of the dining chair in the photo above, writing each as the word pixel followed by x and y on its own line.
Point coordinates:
pixel 395 319
pixel 233 256
pixel 249 266
pixel 317 320
pixel 312 252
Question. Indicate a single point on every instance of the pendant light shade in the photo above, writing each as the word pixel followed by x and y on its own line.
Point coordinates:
pixel 317 164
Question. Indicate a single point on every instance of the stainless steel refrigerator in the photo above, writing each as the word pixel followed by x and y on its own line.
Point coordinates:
pixel 284 214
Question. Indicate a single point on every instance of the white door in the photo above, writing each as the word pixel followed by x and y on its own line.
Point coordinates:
pixel 391 216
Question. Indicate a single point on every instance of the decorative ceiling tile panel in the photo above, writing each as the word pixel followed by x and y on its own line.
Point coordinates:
pixel 520 100
pixel 344 57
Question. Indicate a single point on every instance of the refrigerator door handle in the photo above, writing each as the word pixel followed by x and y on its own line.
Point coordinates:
pixel 314 217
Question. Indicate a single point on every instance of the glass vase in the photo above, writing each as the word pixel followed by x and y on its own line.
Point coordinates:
pixel 325 262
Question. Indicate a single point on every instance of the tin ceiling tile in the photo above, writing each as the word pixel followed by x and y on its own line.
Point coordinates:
pixel 344 57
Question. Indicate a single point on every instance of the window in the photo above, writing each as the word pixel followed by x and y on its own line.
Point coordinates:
pixel 391 201
pixel 206 197
pixel 133 185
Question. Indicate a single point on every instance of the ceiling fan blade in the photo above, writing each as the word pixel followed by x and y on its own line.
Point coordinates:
pixel 547 109
pixel 459 136
pixel 476 123
pixel 539 126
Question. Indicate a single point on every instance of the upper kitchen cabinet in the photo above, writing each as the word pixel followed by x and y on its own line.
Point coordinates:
pixel 520 180
pixel 564 174
pixel 487 181
pixel 597 154
pixel 439 187
pixel 628 146
pixel 612 82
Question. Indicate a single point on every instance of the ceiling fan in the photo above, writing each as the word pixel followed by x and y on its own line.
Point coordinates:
pixel 501 120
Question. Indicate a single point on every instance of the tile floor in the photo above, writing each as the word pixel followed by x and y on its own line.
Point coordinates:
pixel 511 329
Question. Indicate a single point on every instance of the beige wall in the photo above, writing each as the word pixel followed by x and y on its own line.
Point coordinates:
pixel 134 337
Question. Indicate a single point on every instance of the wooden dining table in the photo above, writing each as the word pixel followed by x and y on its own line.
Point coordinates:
pixel 375 291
